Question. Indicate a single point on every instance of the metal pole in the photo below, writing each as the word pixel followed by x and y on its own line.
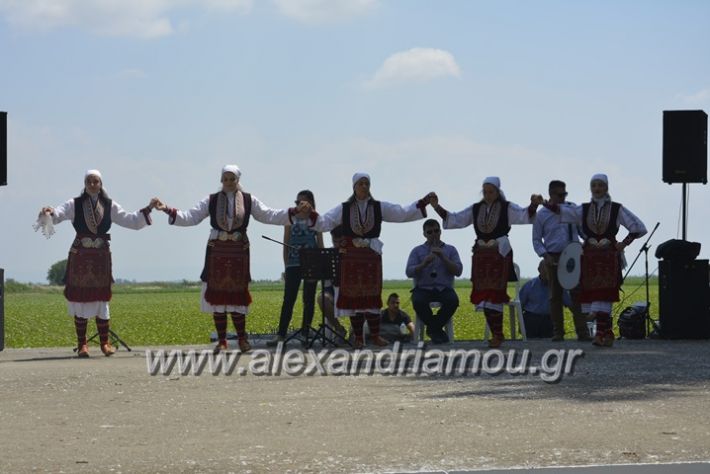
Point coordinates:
pixel 685 212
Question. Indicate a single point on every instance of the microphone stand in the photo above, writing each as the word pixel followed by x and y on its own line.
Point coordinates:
pixel 645 248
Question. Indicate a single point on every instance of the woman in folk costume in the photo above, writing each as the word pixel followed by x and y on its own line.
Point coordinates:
pixel 360 293
pixel 492 260
pixel 602 255
pixel 225 276
pixel 88 276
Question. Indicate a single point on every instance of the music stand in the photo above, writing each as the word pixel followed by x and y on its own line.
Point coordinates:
pixel 321 264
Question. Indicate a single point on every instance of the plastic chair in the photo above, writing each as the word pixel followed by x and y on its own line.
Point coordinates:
pixel 515 311
pixel 419 325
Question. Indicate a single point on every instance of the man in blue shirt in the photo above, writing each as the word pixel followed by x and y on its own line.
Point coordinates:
pixel 433 266
pixel 550 237
pixel 535 300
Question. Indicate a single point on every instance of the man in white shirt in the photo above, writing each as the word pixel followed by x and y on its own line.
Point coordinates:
pixel 550 237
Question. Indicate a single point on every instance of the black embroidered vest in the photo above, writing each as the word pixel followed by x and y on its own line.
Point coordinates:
pixel 213 213
pixel 611 228
pixel 501 228
pixel 374 232
pixel 79 222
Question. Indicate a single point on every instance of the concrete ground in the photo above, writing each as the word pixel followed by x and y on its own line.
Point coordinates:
pixel 638 402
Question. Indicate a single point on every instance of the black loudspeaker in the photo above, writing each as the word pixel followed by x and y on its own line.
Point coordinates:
pixel 676 250
pixel 684 299
pixel 3 148
pixel 685 146
pixel 2 309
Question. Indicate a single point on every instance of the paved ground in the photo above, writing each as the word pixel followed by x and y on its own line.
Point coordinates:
pixel 639 402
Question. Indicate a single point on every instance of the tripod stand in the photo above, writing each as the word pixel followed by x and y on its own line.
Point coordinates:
pixel 645 248
pixel 114 338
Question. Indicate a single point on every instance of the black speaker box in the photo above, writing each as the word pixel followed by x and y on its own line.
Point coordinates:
pixel 3 148
pixel 676 249
pixel 684 299
pixel 685 146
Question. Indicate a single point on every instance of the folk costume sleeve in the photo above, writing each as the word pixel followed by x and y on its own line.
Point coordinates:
pixel 458 220
pixel 396 213
pixel 570 214
pixel 520 215
pixel 632 223
pixel 132 220
pixel 63 212
pixel 192 216
pixel 330 220
pixel 267 215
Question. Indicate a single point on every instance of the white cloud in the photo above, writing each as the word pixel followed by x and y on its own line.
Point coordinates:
pixel 133 18
pixel 415 65
pixel 322 11
pixel 699 97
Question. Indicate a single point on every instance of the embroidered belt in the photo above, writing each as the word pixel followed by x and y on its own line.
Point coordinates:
pixel 91 242
pixel 235 236
pixel 602 244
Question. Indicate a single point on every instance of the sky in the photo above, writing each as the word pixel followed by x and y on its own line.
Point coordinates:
pixel 300 94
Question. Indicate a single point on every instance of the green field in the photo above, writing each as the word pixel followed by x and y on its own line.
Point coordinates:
pixel 159 314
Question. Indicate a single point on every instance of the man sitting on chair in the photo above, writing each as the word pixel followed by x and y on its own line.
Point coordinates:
pixel 535 300
pixel 395 324
pixel 433 266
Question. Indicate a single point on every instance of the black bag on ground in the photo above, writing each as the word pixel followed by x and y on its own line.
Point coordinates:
pixel 632 322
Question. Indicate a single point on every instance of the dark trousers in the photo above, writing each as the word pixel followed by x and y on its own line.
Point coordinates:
pixel 537 325
pixel 449 302
pixel 291 286
pixel 556 305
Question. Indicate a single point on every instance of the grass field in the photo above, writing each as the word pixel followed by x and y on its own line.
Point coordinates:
pixel 163 314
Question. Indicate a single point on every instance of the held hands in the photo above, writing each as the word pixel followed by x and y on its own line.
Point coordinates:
pixel 620 246
pixel 536 199
pixel 432 199
pixel 156 203
pixel 304 207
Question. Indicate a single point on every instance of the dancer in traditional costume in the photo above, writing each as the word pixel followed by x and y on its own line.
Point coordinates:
pixel 492 260
pixel 359 295
pixel 602 258
pixel 88 275
pixel 225 275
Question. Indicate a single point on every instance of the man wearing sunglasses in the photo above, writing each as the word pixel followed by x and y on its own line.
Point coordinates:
pixel 550 237
pixel 433 266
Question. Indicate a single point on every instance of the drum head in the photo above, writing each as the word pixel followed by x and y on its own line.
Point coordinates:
pixel 570 266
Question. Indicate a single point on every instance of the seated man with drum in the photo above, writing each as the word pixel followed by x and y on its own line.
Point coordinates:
pixel 550 237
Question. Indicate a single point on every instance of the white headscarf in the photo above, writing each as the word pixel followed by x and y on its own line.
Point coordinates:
pixel 603 178
pixel 358 176
pixel 495 181
pixel 232 169
pixel 93 173
pixel 600 177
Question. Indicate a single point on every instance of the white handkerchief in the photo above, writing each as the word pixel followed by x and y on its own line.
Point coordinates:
pixel 44 222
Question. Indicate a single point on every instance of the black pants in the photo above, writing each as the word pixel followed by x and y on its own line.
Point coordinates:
pixel 449 302
pixel 291 286
pixel 537 325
